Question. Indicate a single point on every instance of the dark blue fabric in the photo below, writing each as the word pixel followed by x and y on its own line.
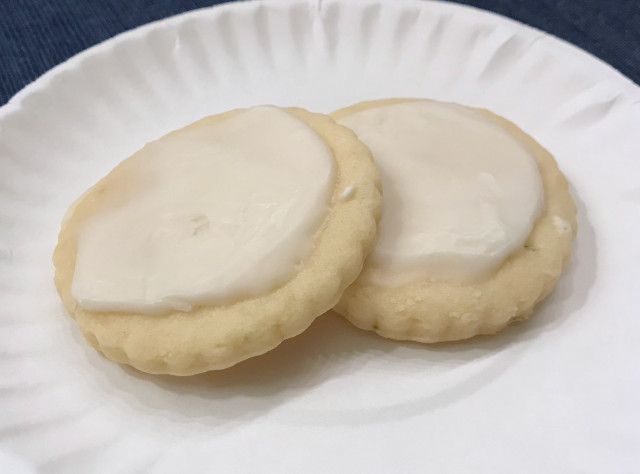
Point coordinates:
pixel 35 35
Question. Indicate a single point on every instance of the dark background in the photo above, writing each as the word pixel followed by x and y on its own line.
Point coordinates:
pixel 35 35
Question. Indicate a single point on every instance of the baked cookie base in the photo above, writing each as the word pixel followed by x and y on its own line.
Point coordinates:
pixel 437 311
pixel 216 337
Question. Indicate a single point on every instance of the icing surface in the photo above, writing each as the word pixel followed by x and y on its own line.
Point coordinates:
pixel 460 193
pixel 218 211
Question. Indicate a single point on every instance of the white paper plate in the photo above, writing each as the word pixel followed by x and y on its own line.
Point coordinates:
pixel 557 394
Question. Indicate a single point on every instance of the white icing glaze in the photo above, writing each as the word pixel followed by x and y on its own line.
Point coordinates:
pixel 460 192
pixel 219 211
pixel 348 192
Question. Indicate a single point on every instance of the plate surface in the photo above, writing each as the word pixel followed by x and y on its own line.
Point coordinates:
pixel 556 394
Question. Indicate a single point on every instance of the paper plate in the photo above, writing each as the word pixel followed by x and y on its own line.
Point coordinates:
pixel 556 394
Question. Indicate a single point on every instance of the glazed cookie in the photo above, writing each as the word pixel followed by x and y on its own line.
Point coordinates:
pixel 218 241
pixel 478 222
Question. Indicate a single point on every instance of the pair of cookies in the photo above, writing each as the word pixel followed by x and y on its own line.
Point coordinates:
pixel 218 241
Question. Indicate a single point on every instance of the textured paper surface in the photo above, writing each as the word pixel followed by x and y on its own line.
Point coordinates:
pixel 556 394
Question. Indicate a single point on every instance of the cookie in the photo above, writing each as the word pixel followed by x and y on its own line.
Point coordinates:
pixel 485 247
pixel 218 241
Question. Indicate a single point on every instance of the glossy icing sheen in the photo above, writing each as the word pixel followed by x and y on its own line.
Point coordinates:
pixel 460 192
pixel 221 210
